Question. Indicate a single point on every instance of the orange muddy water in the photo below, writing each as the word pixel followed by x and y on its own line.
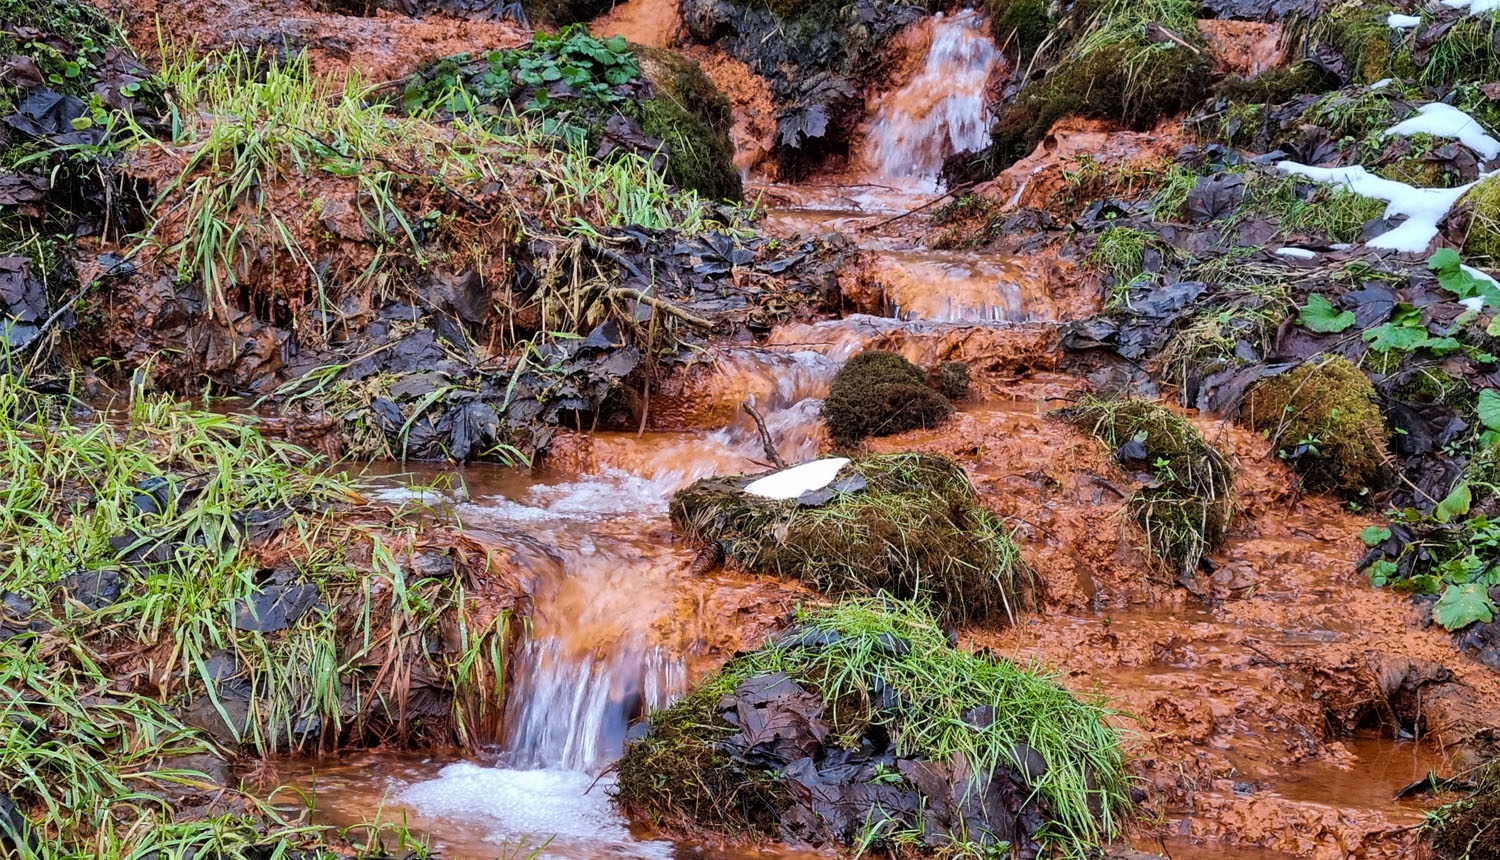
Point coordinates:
pixel 1266 713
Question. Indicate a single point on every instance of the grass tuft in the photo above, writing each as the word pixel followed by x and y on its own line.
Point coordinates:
pixel 1185 509
pixel 679 775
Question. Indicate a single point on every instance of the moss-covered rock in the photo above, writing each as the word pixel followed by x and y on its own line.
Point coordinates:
pixel 1128 80
pixel 560 13
pixel 690 115
pixel 1324 418
pixel 913 746
pixel 1187 501
pixel 909 525
pixel 878 393
pixel 1019 26
pixel 1275 85
pixel 950 379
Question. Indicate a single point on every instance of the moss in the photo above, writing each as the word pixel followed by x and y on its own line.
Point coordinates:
pixel 1324 419
pixel 1019 26
pixel 1358 32
pixel 887 682
pixel 1482 237
pixel 1133 82
pixel 950 379
pixel 1186 508
pixel 879 393
pixel 1275 86
pixel 694 119
pixel 915 530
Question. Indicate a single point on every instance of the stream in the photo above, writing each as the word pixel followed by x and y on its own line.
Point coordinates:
pixel 620 624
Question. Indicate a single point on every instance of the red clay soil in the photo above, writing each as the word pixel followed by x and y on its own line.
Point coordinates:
pixel 381 48
pixel 1255 689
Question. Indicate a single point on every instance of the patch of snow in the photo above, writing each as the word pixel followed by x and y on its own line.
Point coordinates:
pixel 1402 22
pixel 1423 207
pixel 1475 7
pixel 1443 120
pixel 793 482
pixel 1480 276
pixel 1340 246
pixel 1381 84
pixel 1473 303
pixel 1296 253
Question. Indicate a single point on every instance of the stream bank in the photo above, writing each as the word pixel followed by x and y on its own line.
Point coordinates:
pixel 1281 701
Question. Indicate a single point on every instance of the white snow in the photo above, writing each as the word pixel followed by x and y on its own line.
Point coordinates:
pixel 793 482
pixel 1402 22
pixel 1423 207
pixel 1475 7
pixel 1480 276
pixel 1443 120
pixel 1296 253
pixel 1382 83
pixel 1473 303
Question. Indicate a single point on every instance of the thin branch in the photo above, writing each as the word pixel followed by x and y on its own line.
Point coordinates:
pixel 765 437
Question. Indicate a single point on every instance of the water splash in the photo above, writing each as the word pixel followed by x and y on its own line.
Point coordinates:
pixel 941 110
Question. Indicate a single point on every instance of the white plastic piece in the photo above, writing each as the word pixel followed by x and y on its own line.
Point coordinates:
pixel 1296 253
pixel 1423 207
pixel 1444 120
pixel 1402 22
pixel 793 482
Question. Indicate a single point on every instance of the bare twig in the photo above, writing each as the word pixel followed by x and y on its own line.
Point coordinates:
pixel 765 437
pixel 945 195
pixel 665 307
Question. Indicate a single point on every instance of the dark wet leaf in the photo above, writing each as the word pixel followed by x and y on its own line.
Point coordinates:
pixel 1214 197
pixel 46 113
pixel 274 607
pixel 95 589
pixel 1371 305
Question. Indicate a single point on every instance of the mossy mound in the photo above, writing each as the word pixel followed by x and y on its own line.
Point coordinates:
pixel 1019 26
pixel 950 379
pixel 1186 506
pixel 1129 62
pixel 1276 85
pixel 1324 418
pixel 600 95
pixel 909 525
pixel 879 393
pixel 560 13
pixel 1482 237
pixel 907 744
pixel 694 119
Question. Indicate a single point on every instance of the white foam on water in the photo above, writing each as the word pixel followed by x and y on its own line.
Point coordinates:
pixel 1445 120
pixel 793 482
pixel 530 807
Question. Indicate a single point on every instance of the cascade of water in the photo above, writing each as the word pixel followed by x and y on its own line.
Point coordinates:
pixel 940 111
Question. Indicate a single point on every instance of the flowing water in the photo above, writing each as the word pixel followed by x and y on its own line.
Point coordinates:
pixel 619 622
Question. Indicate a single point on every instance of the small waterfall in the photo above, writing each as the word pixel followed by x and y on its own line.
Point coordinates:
pixel 940 111
pixel 572 711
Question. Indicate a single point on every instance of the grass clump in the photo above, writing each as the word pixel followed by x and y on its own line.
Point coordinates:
pixel 879 393
pixel 890 685
pixel 1466 829
pixel 1324 418
pixel 1185 508
pixel 915 529
pixel 1297 206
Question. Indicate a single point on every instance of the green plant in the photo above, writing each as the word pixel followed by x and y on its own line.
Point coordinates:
pixel 679 775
